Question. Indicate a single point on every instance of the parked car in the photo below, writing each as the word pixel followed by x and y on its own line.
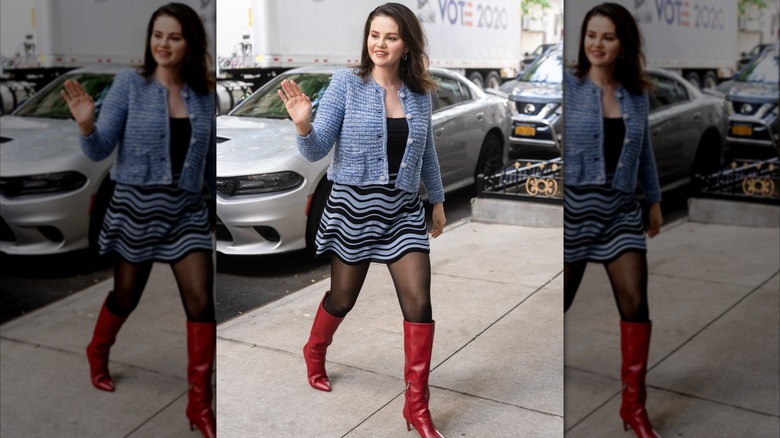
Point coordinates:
pixel 748 57
pixel 270 199
pixel 52 197
pixel 533 56
pixel 536 93
pixel 752 103
pixel 688 127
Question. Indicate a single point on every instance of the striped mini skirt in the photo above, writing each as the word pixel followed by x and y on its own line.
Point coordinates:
pixel 600 223
pixel 157 223
pixel 375 223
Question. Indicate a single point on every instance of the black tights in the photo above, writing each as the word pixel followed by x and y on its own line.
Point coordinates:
pixel 194 275
pixel 628 276
pixel 411 277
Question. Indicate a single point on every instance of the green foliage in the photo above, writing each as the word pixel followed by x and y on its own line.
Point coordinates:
pixel 527 5
pixel 744 4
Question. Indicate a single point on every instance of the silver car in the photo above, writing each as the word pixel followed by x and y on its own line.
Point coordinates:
pixel 270 198
pixel 52 197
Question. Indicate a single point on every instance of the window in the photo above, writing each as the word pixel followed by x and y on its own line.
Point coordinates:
pixel 667 92
pixel 449 92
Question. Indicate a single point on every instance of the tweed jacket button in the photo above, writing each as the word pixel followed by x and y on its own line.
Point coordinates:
pixel 193 141
pixel 402 95
pixel 410 141
pixel 619 94
pixel 408 117
pixel 185 94
pixel 620 165
pixel 186 165
pixel 625 116
pixel 403 165
pixel 626 141
pixel 382 178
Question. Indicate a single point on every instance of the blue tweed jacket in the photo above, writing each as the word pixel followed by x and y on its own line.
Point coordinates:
pixel 584 140
pixel 134 116
pixel 351 116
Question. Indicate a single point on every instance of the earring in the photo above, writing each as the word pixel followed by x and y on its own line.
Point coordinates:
pixel 403 57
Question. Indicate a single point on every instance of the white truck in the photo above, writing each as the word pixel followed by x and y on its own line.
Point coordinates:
pixel 695 38
pixel 257 39
pixel 47 37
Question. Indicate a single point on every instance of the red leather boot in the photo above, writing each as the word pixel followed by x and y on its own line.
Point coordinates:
pixel 201 346
pixel 634 347
pixel 418 345
pixel 321 336
pixel 106 328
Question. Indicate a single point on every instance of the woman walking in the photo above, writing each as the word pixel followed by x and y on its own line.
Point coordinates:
pixel 378 118
pixel 161 119
pixel 608 150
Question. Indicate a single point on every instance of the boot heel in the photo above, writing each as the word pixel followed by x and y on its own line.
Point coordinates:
pixel 625 427
pixel 408 427
pixel 191 427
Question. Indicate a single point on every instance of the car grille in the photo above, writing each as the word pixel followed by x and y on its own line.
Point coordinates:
pixel 6 235
pixel 226 186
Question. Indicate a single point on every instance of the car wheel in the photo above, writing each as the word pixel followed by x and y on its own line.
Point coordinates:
pixel 709 156
pixel 693 78
pixel 710 80
pixel 316 207
pixel 491 156
pixel 99 207
pixel 493 80
pixel 476 78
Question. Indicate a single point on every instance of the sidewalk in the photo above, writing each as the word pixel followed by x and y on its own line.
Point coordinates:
pixel 714 367
pixel 45 383
pixel 496 369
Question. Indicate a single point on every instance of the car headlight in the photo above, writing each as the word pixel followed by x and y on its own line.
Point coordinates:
pixel 59 182
pixel 729 107
pixel 262 183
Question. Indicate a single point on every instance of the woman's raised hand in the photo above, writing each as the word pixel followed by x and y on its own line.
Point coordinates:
pixel 298 106
pixel 81 105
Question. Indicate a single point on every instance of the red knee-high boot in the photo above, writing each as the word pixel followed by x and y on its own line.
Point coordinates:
pixel 634 347
pixel 321 336
pixel 201 346
pixel 106 328
pixel 418 345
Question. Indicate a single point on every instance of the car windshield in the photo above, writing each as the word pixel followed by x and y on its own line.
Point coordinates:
pixel 549 69
pixel 763 69
pixel 50 104
pixel 266 103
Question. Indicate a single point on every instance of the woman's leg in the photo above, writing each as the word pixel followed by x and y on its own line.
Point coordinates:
pixel 129 282
pixel 628 275
pixel 195 278
pixel 345 283
pixel 572 277
pixel 412 279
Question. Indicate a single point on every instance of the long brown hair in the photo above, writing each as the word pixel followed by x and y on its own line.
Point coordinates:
pixel 629 68
pixel 195 67
pixel 414 69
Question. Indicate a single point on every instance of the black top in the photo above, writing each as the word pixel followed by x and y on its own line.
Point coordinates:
pixel 181 131
pixel 397 133
pixel 614 133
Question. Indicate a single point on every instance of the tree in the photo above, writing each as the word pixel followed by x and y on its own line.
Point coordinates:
pixel 527 5
pixel 745 4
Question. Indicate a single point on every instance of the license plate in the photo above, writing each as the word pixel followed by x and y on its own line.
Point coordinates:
pixel 742 130
pixel 525 130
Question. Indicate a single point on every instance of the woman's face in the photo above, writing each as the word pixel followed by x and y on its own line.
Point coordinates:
pixel 385 46
pixel 167 42
pixel 602 46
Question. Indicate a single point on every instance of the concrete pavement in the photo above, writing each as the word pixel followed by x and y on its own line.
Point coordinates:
pixel 496 368
pixel 44 375
pixel 714 367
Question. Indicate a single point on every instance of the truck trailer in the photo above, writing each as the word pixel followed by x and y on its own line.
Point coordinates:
pixel 257 39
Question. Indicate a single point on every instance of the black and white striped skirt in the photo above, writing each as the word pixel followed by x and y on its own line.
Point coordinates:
pixel 160 223
pixel 600 223
pixel 376 223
